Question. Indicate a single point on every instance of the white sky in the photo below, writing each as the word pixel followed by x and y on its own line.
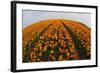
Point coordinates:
pixel 31 16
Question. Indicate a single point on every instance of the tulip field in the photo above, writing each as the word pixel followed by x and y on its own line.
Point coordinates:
pixel 56 40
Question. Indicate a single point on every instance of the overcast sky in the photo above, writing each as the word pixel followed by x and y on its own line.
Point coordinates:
pixel 30 16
